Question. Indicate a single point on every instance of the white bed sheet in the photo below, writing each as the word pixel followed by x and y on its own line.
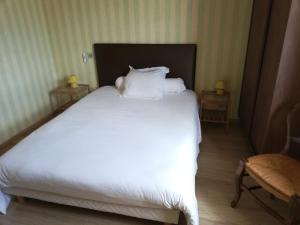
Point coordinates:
pixel 110 148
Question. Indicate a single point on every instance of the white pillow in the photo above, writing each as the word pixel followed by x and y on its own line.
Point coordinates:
pixel 119 83
pixel 174 86
pixel 164 69
pixel 144 84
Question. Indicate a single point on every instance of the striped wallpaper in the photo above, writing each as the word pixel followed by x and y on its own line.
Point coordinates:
pixel 58 31
pixel 26 66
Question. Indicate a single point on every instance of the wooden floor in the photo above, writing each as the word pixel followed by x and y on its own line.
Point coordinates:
pixel 218 159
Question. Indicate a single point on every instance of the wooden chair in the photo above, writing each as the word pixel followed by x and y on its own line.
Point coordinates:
pixel 278 174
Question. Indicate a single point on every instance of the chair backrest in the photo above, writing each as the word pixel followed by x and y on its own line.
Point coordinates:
pixel 292 146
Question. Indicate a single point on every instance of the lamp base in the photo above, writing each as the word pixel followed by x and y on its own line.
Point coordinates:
pixel 74 85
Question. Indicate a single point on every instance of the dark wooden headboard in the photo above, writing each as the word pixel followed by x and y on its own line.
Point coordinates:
pixel 112 60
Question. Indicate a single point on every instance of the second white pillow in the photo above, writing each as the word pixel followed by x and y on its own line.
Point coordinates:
pixel 119 83
pixel 164 69
pixel 174 86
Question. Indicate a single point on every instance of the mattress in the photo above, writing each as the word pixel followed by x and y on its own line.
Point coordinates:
pixel 111 149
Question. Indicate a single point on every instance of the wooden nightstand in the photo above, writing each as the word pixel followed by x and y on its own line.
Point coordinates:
pixel 67 96
pixel 214 108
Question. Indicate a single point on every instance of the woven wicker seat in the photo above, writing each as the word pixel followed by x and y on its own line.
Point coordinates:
pixel 276 173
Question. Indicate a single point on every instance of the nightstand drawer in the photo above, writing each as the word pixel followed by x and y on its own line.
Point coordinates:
pixel 214 105
pixel 223 99
pixel 214 102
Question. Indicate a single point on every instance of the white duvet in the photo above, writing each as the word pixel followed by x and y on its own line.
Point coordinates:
pixel 114 149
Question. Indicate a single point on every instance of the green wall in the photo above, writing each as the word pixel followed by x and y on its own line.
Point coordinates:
pixel 27 70
pixel 60 30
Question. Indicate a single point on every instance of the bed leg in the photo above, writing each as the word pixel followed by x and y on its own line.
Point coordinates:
pixel 20 199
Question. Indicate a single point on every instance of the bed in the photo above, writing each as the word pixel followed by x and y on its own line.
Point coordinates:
pixel 107 153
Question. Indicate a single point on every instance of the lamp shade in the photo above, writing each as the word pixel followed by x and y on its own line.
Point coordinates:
pixel 73 81
pixel 220 85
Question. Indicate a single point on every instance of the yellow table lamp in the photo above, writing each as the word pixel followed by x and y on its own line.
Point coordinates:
pixel 220 87
pixel 73 81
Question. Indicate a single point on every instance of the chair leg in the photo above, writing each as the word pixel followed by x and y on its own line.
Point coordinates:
pixel 294 211
pixel 272 197
pixel 20 199
pixel 238 182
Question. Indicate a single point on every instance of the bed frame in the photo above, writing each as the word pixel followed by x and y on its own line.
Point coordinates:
pixel 112 61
